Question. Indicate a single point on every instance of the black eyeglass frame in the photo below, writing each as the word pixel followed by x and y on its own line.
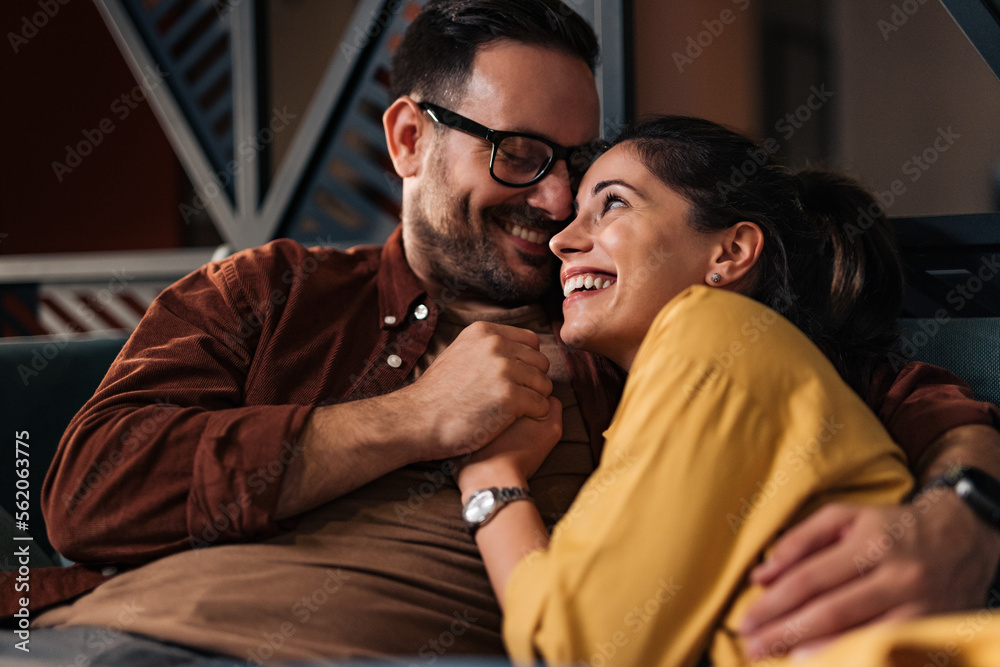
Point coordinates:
pixel 457 121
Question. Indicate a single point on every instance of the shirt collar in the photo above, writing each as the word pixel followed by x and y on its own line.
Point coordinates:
pixel 398 287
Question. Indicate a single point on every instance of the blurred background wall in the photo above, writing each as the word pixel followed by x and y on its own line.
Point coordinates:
pixel 893 78
pixel 889 90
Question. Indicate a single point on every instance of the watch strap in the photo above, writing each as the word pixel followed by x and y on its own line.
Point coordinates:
pixel 977 489
pixel 509 494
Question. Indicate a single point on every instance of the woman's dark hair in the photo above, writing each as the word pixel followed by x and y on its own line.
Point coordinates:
pixel 855 279
pixel 437 51
pixel 828 264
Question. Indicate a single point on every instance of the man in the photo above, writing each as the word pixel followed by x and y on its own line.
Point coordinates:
pixel 279 426
pixel 355 382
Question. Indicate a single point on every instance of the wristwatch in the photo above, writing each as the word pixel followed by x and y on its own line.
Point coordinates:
pixel 484 504
pixel 977 489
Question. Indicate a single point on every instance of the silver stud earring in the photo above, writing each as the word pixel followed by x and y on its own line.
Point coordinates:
pixel 716 278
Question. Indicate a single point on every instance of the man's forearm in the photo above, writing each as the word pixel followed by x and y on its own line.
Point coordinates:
pixel 344 447
pixel 972 445
pixel 975 543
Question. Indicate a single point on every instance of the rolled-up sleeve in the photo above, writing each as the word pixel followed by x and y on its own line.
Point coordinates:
pixel 922 402
pixel 168 455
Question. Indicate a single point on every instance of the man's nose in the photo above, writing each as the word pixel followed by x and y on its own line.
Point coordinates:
pixel 552 194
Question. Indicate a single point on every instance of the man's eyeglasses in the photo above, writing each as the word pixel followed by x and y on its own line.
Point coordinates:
pixel 519 160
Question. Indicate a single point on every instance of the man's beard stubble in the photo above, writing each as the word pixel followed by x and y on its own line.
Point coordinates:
pixel 471 262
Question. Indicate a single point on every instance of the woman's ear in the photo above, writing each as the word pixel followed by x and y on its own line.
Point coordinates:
pixel 739 248
pixel 404 125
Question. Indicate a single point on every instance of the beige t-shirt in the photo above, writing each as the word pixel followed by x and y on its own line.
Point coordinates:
pixel 387 569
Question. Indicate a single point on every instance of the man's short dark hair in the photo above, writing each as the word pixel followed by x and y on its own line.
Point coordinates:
pixel 438 49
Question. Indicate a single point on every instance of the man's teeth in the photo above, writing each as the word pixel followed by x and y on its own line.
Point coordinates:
pixel 586 282
pixel 529 235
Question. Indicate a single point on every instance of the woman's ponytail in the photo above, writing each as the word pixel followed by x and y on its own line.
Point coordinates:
pixel 854 287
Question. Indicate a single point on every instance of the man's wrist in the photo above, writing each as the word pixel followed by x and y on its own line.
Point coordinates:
pixel 976 488
pixel 409 428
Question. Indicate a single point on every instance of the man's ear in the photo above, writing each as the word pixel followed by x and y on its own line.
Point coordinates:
pixel 404 125
pixel 739 248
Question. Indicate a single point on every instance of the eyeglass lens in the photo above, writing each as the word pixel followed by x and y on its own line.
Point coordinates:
pixel 520 159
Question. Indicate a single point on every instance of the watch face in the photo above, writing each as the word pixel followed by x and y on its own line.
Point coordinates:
pixel 479 506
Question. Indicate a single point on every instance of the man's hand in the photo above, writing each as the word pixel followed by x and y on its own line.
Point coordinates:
pixel 846 566
pixel 491 375
pixel 515 455
pixel 487 378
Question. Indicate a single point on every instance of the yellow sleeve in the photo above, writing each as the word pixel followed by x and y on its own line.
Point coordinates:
pixel 971 639
pixel 732 427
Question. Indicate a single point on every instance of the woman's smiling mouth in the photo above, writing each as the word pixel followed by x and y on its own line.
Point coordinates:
pixel 587 282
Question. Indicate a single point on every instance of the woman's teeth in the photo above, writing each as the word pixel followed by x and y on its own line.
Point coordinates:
pixel 586 282
pixel 529 235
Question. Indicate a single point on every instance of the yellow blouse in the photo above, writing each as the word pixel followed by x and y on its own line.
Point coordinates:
pixel 733 426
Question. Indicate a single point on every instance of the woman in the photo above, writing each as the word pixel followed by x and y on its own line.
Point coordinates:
pixel 733 425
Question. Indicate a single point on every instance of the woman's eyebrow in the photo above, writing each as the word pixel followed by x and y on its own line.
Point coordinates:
pixel 615 181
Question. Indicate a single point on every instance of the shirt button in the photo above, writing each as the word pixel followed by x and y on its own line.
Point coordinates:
pixel 109 571
pixel 394 361
pixel 420 312
pixel 390 319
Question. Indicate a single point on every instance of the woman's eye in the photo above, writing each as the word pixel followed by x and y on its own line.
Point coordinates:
pixel 613 201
